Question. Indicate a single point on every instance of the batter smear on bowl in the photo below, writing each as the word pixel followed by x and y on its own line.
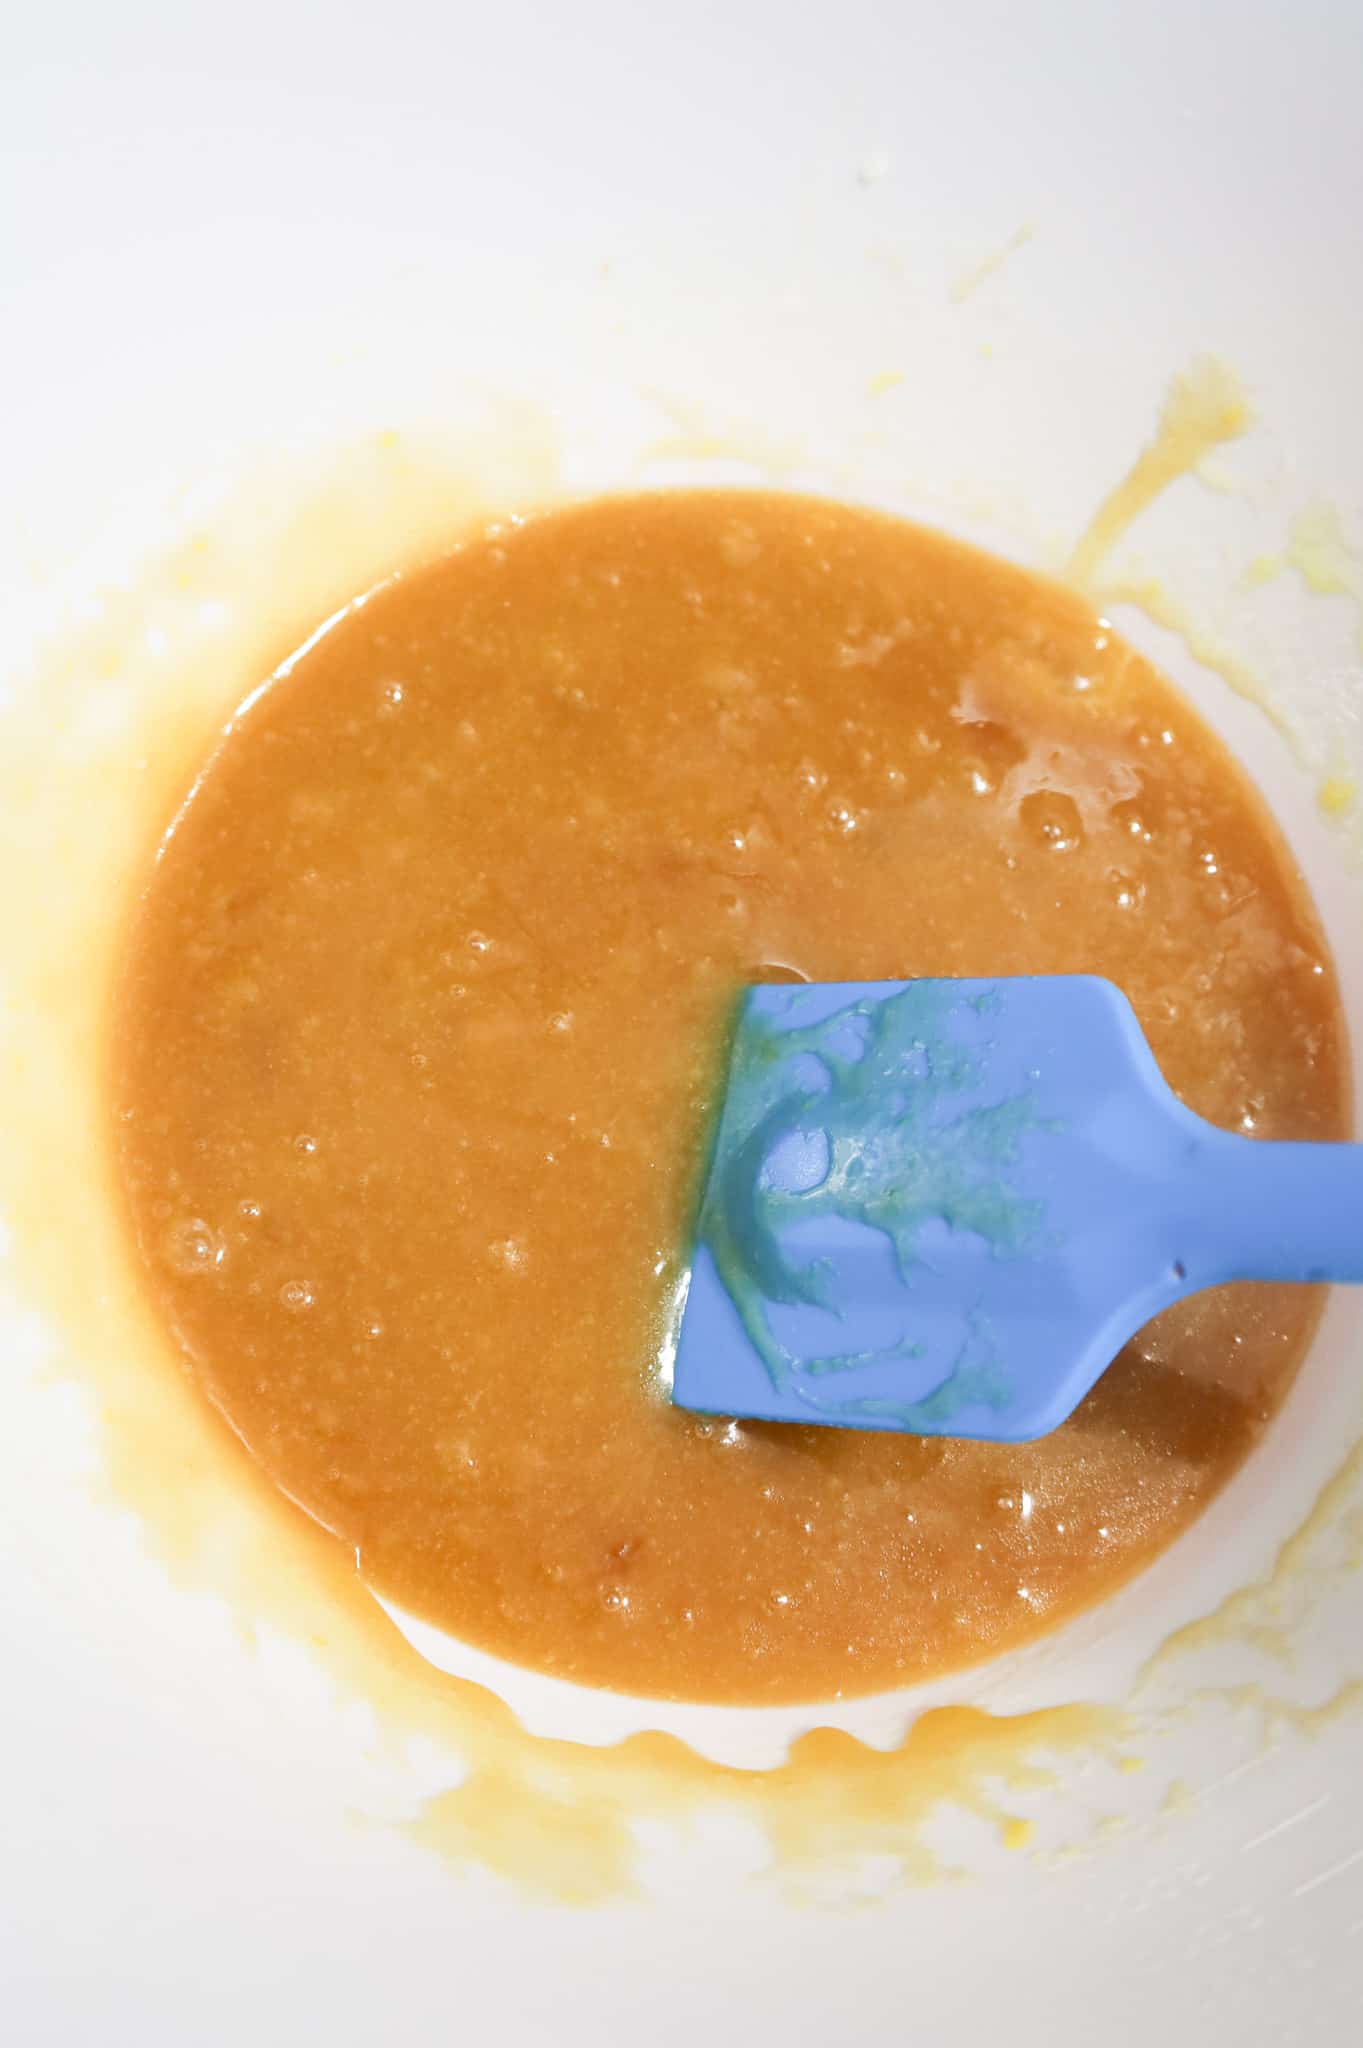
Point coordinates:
pixel 421 1022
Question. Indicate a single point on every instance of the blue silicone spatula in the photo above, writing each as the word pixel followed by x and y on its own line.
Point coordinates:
pixel 944 1206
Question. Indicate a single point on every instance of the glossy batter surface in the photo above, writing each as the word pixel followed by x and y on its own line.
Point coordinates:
pixel 416 1046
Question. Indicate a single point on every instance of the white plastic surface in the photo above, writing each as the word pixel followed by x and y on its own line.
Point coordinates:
pixel 223 229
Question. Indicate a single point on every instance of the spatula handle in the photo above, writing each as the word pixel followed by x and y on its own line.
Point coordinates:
pixel 1264 1210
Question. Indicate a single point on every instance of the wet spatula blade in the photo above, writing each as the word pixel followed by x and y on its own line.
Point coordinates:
pixel 944 1206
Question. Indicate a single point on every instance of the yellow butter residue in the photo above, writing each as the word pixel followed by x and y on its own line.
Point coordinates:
pixel 1337 794
pixel 1319 551
pixel 558 1819
pixel 883 381
pixel 1255 1612
pixel 1322 557
pixel 970 280
pixel 1215 477
pixel 1147 594
pixel 698 436
pixel 1205 407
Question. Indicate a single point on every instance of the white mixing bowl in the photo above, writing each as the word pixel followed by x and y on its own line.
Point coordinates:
pixel 286 291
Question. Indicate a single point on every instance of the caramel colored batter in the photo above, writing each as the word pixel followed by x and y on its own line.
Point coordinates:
pixel 420 1024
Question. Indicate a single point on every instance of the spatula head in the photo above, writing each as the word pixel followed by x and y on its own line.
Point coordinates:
pixel 934 1206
